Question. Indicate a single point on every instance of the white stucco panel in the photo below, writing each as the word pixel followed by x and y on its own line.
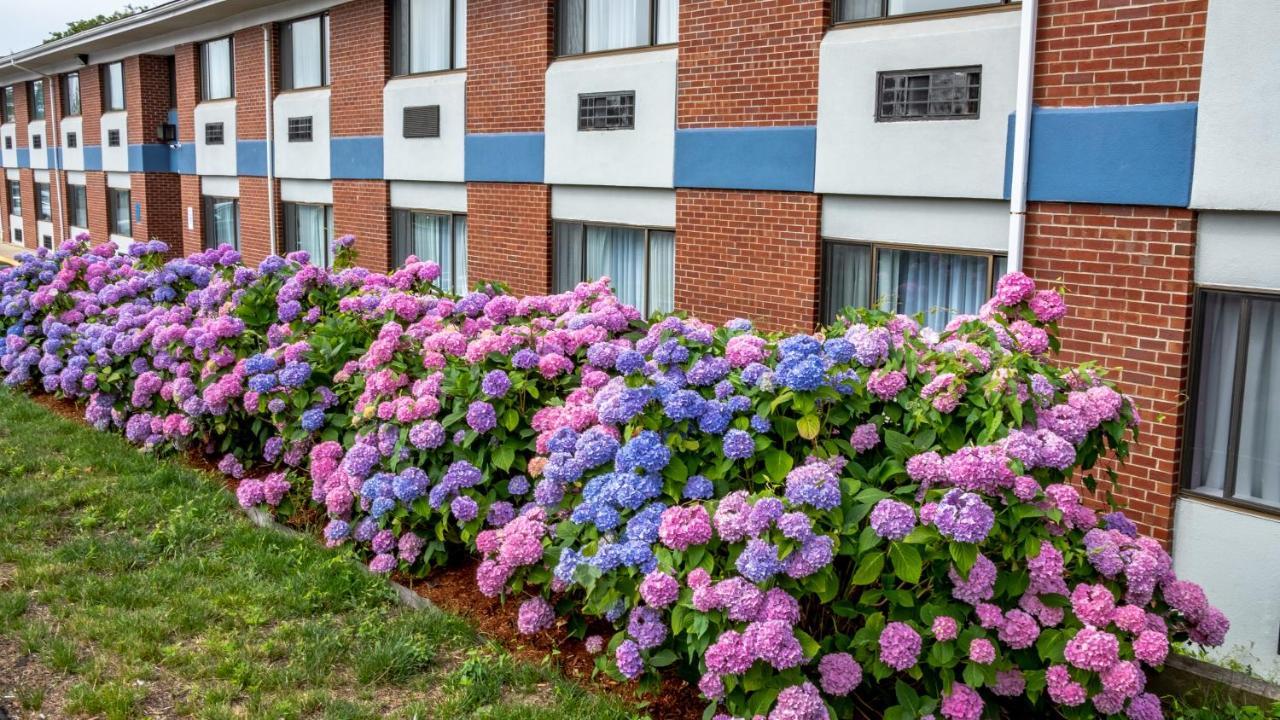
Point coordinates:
pixel 73 157
pixel 643 157
pixel 220 186
pixel 941 222
pixel 314 192
pixel 216 159
pixel 39 157
pixel 302 159
pixel 1237 164
pixel 115 159
pixel 45 236
pixel 941 158
pixel 1239 249
pixel 8 146
pixel 450 197
pixel 649 207
pixel 440 158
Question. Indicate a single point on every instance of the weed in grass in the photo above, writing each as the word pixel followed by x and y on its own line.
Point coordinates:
pixel 30 698
pixel 113 700
pixel 62 655
pixel 13 605
pixel 390 660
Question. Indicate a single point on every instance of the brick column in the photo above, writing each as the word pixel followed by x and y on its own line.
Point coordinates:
pixel 186 67
pixel 359 68
pixel 510 43
pixel 95 180
pixel 251 124
pixel 30 231
pixel 96 197
pixel 750 63
pixel 57 178
pixel 146 79
pixel 1128 270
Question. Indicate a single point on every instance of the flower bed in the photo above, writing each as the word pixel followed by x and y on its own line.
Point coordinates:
pixel 878 514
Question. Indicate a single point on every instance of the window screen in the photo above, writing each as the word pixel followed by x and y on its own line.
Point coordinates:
pixel 941 94
pixel 607 111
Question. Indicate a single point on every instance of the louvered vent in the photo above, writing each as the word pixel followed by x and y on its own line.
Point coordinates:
pixel 213 133
pixel 422 121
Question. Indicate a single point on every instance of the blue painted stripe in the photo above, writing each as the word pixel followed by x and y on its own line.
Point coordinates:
pixel 53 158
pixel 505 157
pixel 93 157
pixel 150 157
pixel 24 157
pixel 355 158
pixel 251 157
pixel 756 158
pixel 1125 155
pixel 182 159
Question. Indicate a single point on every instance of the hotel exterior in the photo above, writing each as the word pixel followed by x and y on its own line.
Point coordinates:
pixel 773 159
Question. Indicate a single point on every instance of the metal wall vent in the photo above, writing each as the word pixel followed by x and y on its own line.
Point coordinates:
pixel 422 121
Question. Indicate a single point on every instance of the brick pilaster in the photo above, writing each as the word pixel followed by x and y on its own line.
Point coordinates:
pixel 509 235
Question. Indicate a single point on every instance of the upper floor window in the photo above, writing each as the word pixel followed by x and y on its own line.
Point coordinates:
pixel 71 94
pixel 908 281
pixel 1233 451
pixel 15 197
pixel 437 237
pixel 304 53
pixel 113 86
pixel 847 10
pixel 216 77
pixel 37 99
pixel 596 25
pixel 221 222
pixel 44 208
pixel 428 35
pixel 8 105
pixel 941 94
pixel 77 206
pixel 309 228
pixel 640 262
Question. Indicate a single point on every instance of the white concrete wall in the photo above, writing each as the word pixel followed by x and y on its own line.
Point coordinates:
pixel 643 157
pixel 73 157
pixel 220 186
pixel 316 192
pixel 44 229
pixel 620 206
pixel 1209 547
pixel 302 159
pixel 216 159
pixel 438 159
pixel 119 180
pixel 15 223
pixel 451 197
pixel 1239 249
pixel 1237 164
pixel 40 157
pixel 8 136
pixel 942 222
pixel 115 159
pixel 940 158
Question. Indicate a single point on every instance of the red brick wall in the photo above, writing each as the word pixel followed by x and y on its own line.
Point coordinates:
pixel 247 50
pixel 1119 52
pixel 91 104
pixel 509 45
pixel 96 196
pixel 160 195
pixel 255 226
pixel 30 237
pixel 1128 272
pixel 509 235
pixel 22 113
pixel 57 179
pixel 187 69
pixel 358 70
pixel 749 254
pixel 749 62
pixel 360 208
pixel 146 87
pixel 192 237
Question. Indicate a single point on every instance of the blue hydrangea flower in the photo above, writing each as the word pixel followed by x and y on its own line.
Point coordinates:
pixel 738 445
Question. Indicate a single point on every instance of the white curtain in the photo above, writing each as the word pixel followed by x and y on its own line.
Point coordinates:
pixel 224 223
pixel 613 24
pixel 429 235
pixel 313 233
pixel 567 256
pixel 941 285
pixel 460 254
pixel 1258 459
pixel 460 34
pixel 619 253
pixel 859 9
pixel 668 21
pixel 1214 392
pixel 848 278
pixel 217 68
pixel 305 53
pixel 902 7
pixel 115 86
pixel 662 271
pixel 429 27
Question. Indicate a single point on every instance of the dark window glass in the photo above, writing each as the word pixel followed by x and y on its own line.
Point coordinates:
pixel 846 10
pixel 217 81
pixel 113 138
pixel 437 237
pixel 309 228
pixel 113 86
pixel 304 52
pixel 37 99
pixel 607 111
pixel 44 206
pixel 300 129
pixel 15 197
pixel 213 133
pixel 37 141
pixel 119 212
pixel 639 262
pixel 73 140
pixel 221 222
pixel 77 206
pixel 941 94
pixel 8 105
pixel 71 93
pixel 428 35
pixel 597 25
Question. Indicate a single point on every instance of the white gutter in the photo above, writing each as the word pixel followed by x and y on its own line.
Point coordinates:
pixel 271 131
pixel 1022 133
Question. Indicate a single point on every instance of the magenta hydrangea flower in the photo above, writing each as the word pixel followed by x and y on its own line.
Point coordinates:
pixel 1048 306
pixel 945 628
pixel 1009 683
pixel 892 520
pixel 886 384
pixel 800 702
pixel 962 703
pixel 1062 689
pixel 1151 647
pixel 899 645
pixel 659 589
pixel 535 615
pixel 865 437
pixel 1019 630
pixel 982 651
pixel 1093 649
pixel 1093 604
pixel 684 526
pixel 1014 288
pixel 839 673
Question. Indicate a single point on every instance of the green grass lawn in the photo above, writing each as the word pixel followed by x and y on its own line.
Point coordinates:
pixel 132 587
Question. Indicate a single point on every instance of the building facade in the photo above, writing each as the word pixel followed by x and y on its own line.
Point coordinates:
pixel 773 159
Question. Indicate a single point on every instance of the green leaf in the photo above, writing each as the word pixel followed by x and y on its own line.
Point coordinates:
pixel 907 697
pixel 778 463
pixel 504 456
pixel 663 659
pixel 964 555
pixel 810 646
pixel 898 443
pixel 906 561
pixel 808 426
pixel 868 569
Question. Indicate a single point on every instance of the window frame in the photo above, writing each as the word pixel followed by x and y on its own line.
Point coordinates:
pixel 584 224
pixel 41 214
pixel 288 209
pixel 628 102
pixel 285 53
pixel 1187 455
pixel 408 213
pixel 653 33
pixel 108 87
pixel 67 110
pixel 207 203
pixel 8 104
pixel 204 68
pixel 879 95
pixel 81 191
pixel 14 189
pixel 885 16
pixel 32 116
pixel 112 220
pixel 400 14
pixel 827 315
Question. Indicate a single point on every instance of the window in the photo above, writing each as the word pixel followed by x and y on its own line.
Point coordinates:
pixel 44 207
pixel 8 106
pixel 15 197
pixel 71 94
pixel 17 236
pixel 428 35
pixel 607 111
pixel 213 133
pixel 596 25
pixel 46 241
pixel 422 121
pixel 37 141
pixel 77 206
pixel 216 78
pixel 36 99
pixel 1233 451
pixel 113 138
pixel 847 10
pixel 438 237
pixel 221 222
pixel 304 53
pixel 8 142
pixel 309 228
pixel 119 206
pixel 641 262
pixel 300 129
pixel 941 94
pixel 113 87
pixel 909 281
pixel 73 140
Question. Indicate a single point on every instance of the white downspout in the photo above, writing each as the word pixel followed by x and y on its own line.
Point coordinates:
pixel 271 131
pixel 1022 133
pixel 57 217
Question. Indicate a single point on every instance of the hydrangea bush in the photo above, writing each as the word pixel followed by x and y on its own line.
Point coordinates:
pixel 874 516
